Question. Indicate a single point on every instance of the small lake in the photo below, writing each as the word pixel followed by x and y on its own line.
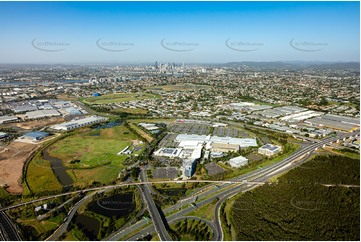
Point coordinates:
pixel 108 125
pixel 59 170
pixel 90 226
pixel 118 205
pixel 58 166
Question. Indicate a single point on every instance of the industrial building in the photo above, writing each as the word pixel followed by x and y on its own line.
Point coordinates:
pixel 222 147
pixel 335 122
pixel 238 161
pixel 36 135
pixel 42 114
pixel 301 116
pixel 269 149
pixel 190 149
pixel 3 135
pixel 25 108
pixel 241 142
pixel 7 119
pixel 189 167
pixel 150 127
pixel 78 123
pixel 168 152
pixel 72 111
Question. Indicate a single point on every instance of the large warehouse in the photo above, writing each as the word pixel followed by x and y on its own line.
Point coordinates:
pixel 36 135
pixel 42 114
pixel 241 142
pixel 335 122
pixel 78 123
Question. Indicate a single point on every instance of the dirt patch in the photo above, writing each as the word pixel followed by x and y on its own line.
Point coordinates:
pixel 136 142
pixel 12 158
pixel 39 123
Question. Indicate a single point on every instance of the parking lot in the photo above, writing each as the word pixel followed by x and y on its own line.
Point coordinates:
pixel 191 128
pixel 205 129
pixel 168 141
pixel 165 173
pixel 214 169
pixel 230 132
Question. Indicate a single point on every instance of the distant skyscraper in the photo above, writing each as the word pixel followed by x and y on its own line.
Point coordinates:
pixel 156 65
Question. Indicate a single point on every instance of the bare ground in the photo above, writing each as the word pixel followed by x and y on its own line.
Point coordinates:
pixel 39 123
pixel 12 159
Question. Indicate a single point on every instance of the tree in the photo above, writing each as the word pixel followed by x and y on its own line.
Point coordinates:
pixel 134 172
pixel 323 102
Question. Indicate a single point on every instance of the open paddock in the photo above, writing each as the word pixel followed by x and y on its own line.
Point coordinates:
pixel 119 98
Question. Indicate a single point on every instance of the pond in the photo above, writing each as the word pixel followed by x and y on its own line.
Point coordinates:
pixel 89 226
pixel 58 166
pixel 59 170
pixel 118 205
pixel 108 125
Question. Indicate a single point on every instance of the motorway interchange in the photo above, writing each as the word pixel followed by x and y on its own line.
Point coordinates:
pixel 206 195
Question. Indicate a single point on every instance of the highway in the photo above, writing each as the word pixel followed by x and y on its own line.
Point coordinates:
pixel 260 175
pixel 7 229
pixel 62 228
pixel 228 188
pixel 158 222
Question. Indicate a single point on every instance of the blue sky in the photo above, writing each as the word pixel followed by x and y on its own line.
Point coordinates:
pixel 193 32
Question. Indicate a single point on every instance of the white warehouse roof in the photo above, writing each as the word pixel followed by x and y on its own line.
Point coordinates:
pixel 246 142
pixel 79 123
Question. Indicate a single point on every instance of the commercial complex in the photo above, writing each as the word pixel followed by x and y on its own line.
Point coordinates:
pixel 269 149
pixel 238 161
pixel 190 147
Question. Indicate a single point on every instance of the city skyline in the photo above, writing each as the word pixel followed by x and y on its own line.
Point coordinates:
pixel 190 32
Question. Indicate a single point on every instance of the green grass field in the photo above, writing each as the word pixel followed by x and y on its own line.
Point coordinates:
pixel 40 226
pixel 118 98
pixel 349 153
pixel 96 151
pixel 94 148
pixel 206 211
pixel 3 193
pixel 102 174
pixel 40 177
pixel 131 110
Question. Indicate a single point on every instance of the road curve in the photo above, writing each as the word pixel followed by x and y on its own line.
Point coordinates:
pixel 260 175
pixel 209 223
pixel 8 231
pixel 62 228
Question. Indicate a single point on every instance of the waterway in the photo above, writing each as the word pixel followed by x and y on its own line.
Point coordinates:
pixel 57 165
pixel 89 226
pixel 59 170
pixel 108 125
